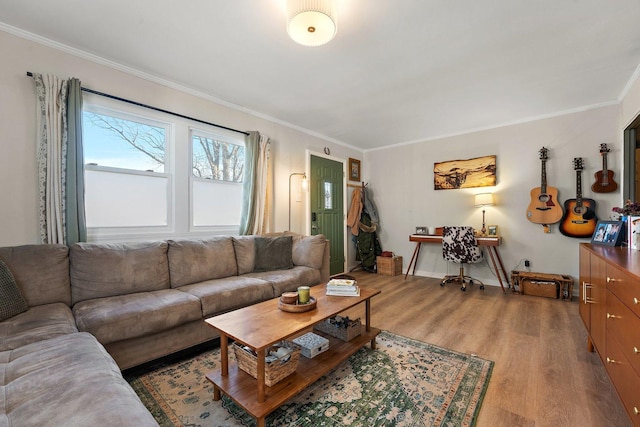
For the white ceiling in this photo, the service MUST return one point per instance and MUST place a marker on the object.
(397, 71)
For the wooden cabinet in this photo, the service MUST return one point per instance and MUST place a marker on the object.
(610, 309)
(593, 297)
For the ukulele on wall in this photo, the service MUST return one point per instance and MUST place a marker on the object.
(544, 208)
(579, 218)
(604, 178)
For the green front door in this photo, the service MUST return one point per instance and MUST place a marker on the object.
(327, 207)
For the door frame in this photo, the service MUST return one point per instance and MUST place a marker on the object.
(307, 205)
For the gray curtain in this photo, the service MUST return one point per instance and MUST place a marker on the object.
(76, 226)
(257, 185)
(251, 152)
(60, 160)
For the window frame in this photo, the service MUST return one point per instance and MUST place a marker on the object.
(132, 113)
(220, 135)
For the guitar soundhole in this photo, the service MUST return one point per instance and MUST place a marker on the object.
(544, 198)
(580, 210)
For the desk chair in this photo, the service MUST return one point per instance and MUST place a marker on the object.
(459, 245)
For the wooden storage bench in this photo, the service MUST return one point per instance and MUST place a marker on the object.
(543, 284)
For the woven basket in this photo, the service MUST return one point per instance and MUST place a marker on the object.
(274, 371)
(345, 334)
(389, 266)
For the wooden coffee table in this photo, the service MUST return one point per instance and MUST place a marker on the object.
(260, 326)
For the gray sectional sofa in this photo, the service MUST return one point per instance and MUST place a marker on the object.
(94, 309)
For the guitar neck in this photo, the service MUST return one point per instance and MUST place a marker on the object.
(543, 175)
(578, 187)
(605, 174)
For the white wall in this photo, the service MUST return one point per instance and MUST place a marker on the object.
(18, 173)
(406, 197)
(400, 177)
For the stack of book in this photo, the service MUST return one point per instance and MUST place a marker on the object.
(343, 287)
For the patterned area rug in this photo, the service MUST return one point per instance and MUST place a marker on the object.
(403, 382)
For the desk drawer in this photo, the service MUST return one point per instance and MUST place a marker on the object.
(624, 326)
(625, 287)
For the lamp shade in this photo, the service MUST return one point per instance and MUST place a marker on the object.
(484, 199)
(311, 22)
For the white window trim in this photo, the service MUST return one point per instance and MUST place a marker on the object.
(221, 135)
(151, 232)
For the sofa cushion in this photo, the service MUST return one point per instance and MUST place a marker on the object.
(288, 280)
(129, 316)
(245, 249)
(104, 270)
(273, 253)
(11, 300)
(41, 272)
(309, 250)
(39, 323)
(220, 295)
(192, 261)
(67, 381)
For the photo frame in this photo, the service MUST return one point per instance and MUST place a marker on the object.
(492, 230)
(608, 233)
(421, 230)
(354, 169)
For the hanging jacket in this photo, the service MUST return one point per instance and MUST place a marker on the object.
(353, 218)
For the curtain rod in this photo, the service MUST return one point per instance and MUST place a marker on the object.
(150, 107)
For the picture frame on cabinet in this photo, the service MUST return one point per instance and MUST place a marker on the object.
(608, 233)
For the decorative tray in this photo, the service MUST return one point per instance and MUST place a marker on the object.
(298, 308)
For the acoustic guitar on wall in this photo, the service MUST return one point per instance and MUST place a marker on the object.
(579, 219)
(544, 207)
(604, 178)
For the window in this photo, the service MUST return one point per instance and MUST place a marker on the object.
(126, 165)
(153, 175)
(125, 142)
(217, 168)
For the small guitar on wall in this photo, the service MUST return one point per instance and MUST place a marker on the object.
(544, 208)
(579, 219)
(604, 178)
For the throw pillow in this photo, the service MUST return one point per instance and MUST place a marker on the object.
(11, 300)
(309, 250)
(273, 253)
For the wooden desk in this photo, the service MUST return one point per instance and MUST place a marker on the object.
(491, 242)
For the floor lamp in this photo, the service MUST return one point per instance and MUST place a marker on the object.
(305, 185)
(482, 200)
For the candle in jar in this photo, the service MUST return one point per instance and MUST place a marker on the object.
(303, 294)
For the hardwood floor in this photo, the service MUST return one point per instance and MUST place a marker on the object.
(543, 374)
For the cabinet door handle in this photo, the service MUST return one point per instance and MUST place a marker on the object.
(611, 279)
(611, 360)
(635, 350)
(585, 286)
(636, 411)
(635, 301)
(612, 316)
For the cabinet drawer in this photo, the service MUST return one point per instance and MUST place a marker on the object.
(624, 326)
(625, 379)
(624, 287)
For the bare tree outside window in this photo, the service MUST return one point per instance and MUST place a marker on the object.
(217, 160)
(106, 148)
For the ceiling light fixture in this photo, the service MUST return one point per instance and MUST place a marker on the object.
(311, 22)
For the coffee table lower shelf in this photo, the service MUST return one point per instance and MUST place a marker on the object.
(241, 387)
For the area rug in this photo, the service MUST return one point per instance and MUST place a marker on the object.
(403, 382)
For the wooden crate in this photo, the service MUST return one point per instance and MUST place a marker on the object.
(389, 266)
(543, 284)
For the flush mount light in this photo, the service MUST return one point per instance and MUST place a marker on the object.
(311, 22)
